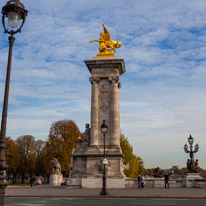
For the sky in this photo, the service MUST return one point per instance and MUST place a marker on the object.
(163, 93)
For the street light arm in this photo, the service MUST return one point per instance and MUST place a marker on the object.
(186, 148)
(196, 148)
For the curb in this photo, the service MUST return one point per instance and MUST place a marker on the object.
(112, 196)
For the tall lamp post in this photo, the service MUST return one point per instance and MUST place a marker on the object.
(192, 165)
(104, 129)
(14, 11)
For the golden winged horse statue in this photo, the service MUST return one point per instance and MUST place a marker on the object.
(107, 47)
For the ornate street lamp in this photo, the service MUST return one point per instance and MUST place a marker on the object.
(192, 165)
(104, 129)
(15, 12)
(190, 140)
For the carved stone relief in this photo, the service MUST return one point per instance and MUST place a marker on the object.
(99, 166)
(106, 71)
(104, 97)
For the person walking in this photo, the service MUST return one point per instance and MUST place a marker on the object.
(31, 182)
(166, 176)
(139, 181)
(34, 181)
(142, 182)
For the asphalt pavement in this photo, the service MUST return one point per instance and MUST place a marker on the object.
(79, 201)
(46, 191)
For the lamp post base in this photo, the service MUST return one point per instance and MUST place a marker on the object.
(104, 191)
(104, 185)
(2, 192)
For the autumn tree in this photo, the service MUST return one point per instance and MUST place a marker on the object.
(12, 158)
(39, 148)
(62, 140)
(149, 172)
(158, 172)
(136, 165)
(141, 166)
(26, 155)
(184, 171)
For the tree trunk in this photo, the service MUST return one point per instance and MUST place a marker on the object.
(14, 178)
(22, 178)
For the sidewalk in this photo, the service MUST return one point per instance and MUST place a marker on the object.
(46, 191)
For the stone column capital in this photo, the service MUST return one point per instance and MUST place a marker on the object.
(115, 80)
(94, 80)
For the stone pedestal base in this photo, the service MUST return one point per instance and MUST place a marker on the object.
(190, 179)
(112, 182)
(96, 182)
(55, 179)
(87, 170)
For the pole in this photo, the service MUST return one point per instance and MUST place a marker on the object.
(104, 146)
(3, 166)
(104, 178)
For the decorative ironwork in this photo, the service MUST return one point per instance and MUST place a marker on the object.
(192, 165)
(14, 6)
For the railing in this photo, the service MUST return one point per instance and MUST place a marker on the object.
(155, 182)
(130, 183)
(149, 182)
(177, 183)
(200, 183)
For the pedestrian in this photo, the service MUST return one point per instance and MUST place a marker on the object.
(166, 176)
(31, 182)
(34, 181)
(139, 181)
(142, 182)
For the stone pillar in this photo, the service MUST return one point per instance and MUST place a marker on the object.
(94, 112)
(115, 114)
(55, 180)
(190, 179)
(87, 163)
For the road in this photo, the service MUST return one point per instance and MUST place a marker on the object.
(65, 201)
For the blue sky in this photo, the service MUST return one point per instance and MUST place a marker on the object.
(163, 94)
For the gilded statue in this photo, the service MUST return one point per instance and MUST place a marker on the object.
(107, 47)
